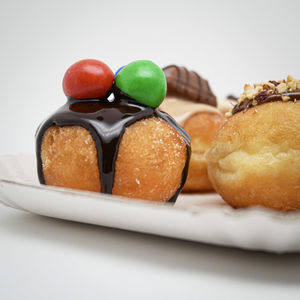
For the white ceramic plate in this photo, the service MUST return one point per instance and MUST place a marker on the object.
(201, 218)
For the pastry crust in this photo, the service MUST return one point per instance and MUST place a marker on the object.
(201, 122)
(150, 162)
(255, 157)
(202, 128)
(69, 158)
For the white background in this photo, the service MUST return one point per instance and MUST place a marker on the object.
(227, 42)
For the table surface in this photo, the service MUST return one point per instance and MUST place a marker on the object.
(46, 258)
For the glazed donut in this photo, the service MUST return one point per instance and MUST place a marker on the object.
(192, 104)
(255, 157)
(124, 147)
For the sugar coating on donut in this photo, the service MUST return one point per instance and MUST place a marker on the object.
(255, 157)
(150, 162)
(151, 159)
(69, 158)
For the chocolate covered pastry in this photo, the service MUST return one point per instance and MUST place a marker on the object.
(192, 104)
(255, 157)
(124, 146)
(188, 85)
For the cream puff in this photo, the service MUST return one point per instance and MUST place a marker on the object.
(254, 159)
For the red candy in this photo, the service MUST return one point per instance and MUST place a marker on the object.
(88, 79)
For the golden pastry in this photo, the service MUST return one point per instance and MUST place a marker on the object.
(255, 157)
(191, 102)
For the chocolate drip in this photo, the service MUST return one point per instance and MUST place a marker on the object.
(188, 85)
(265, 98)
(106, 121)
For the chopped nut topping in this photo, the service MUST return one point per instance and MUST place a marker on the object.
(228, 114)
(285, 98)
(274, 82)
(260, 91)
(281, 88)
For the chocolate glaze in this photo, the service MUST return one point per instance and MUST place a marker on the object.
(106, 121)
(188, 85)
(262, 98)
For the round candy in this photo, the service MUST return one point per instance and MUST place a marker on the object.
(118, 71)
(144, 81)
(88, 79)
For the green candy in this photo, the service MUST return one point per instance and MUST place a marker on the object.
(143, 81)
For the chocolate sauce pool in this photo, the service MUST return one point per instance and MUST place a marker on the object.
(106, 121)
